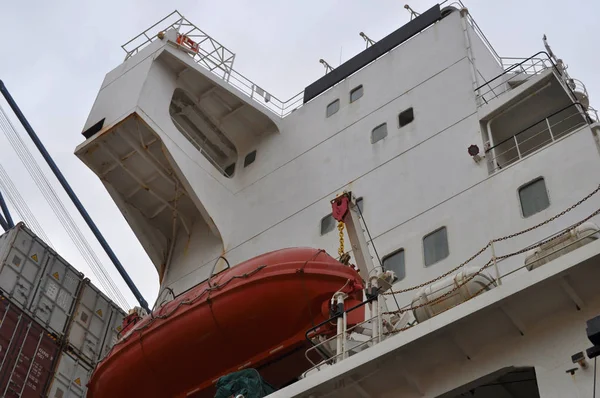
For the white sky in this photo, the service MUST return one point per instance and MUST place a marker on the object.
(54, 55)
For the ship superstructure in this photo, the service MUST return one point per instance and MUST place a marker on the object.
(474, 176)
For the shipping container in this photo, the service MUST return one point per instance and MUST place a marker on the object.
(55, 299)
(71, 377)
(91, 323)
(113, 334)
(27, 354)
(23, 257)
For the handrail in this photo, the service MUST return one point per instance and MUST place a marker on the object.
(534, 124)
(516, 66)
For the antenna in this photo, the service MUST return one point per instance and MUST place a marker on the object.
(413, 13)
(367, 40)
(328, 67)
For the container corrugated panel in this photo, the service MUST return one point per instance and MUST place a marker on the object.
(27, 354)
(71, 377)
(56, 296)
(114, 331)
(91, 321)
(23, 257)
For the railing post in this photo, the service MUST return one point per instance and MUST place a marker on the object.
(517, 146)
(340, 349)
(498, 279)
(374, 306)
(550, 129)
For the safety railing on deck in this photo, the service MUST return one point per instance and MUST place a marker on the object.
(537, 135)
(516, 72)
(495, 262)
(215, 57)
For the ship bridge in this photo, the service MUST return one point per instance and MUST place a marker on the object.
(170, 128)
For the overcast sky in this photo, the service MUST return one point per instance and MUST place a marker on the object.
(54, 55)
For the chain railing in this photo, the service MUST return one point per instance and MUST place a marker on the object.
(529, 140)
(213, 56)
(451, 289)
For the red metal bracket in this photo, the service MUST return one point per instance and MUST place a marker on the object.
(340, 206)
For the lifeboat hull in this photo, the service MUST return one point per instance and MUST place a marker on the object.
(253, 315)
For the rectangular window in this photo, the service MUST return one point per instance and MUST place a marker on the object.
(379, 133)
(405, 117)
(356, 93)
(250, 158)
(395, 262)
(333, 108)
(435, 246)
(534, 197)
(327, 224)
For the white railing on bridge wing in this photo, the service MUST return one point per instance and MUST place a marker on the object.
(216, 58)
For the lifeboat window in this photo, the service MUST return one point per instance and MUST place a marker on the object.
(379, 133)
(250, 158)
(356, 93)
(327, 224)
(435, 246)
(333, 108)
(534, 197)
(395, 262)
(405, 117)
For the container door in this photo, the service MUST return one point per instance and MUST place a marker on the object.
(55, 299)
(10, 326)
(27, 355)
(70, 379)
(90, 322)
(114, 331)
(31, 363)
(22, 265)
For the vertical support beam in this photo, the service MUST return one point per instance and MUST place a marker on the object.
(358, 241)
(6, 222)
(73, 197)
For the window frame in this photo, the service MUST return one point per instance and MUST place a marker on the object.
(327, 115)
(400, 125)
(527, 184)
(246, 164)
(375, 128)
(423, 246)
(391, 254)
(355, 89)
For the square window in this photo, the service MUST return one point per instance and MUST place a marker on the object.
(333, 108)
(327, 224)
(395, 262)
(435, 246)
(379, 133)
(250, 158)
(229, 170)
(356, 93)
(359, 204)
(534, 197)
(405, 117)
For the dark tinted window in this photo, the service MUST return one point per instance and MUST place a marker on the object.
(250, 158)
(406, 117)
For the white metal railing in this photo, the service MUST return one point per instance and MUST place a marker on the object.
(444, 291)
(516, 71)
(536, 136)
(216, 58)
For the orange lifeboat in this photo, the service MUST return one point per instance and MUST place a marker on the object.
(254, 315)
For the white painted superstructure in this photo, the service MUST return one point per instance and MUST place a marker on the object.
(169, 123)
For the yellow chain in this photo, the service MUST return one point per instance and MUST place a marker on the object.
(340, 228)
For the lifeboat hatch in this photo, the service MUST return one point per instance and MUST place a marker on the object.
(134, 166)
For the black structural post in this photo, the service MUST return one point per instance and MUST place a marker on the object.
(73, 196)
(8, 222)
